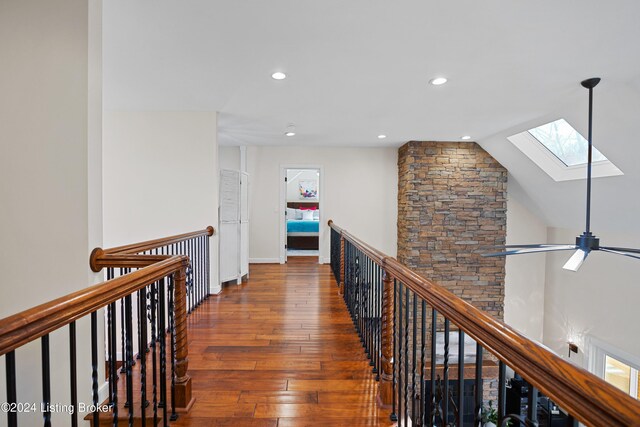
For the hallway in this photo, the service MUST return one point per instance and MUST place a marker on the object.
(279, 350)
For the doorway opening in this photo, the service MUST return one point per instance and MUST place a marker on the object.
(301, 207)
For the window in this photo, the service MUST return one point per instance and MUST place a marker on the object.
(565, 143)
(615, 366)
(559, 150)
(621, 375)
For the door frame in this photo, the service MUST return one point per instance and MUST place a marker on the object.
(283, 206)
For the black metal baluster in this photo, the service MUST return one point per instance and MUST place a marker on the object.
(479, 389)
(532, 405)
(423, 339)
(201, 264)
(129, 356)
(196, 268)
(196, 271)
(73, 373)
(434, 334)
(189, 280)
(369, 290)
(154, 338)
(378, 324)
(12, 396)
(394, 415)
(139, 325)
(360, 299)
(172, 328)
(502, 391)
(46, 381)
(445, 397)
(400, 358)
(94, 365)
(460, 378)
(414, 352)
(361, 302)
(163, 351)
(123, 369)
(207, 281)
(108, 338)
(406, 356)
(113, 362)
(142, 351)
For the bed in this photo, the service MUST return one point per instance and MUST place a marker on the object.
(302, 233)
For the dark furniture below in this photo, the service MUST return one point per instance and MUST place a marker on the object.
(302, 242)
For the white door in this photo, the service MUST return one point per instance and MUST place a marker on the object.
(229, 225)
(244, 224)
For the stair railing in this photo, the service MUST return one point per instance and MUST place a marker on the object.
(160, 281)
(440, 361)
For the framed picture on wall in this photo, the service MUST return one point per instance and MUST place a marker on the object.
(308, 189)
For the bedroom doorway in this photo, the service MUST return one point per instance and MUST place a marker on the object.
(301, 197)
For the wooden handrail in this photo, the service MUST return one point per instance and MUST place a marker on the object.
(588, 398)
(128, 256)
(31, 324)
(158, 243)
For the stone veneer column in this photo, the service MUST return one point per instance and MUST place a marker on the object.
(452, 203)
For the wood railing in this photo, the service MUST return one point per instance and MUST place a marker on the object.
(413, 312)
(144, 268)
(137, 255)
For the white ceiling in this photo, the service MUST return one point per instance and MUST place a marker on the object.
(359, 68)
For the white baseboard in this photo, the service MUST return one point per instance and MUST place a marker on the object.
(264, 260)
(325, 260)
(103, 392)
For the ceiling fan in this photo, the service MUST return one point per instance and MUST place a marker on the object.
(586, 242)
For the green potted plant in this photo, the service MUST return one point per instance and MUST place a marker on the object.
(489, 415)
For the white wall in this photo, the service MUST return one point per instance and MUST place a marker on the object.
(229, 157)
(50, 180)
(360, 194)
(525, 274)
(160, 176)
(600, 300)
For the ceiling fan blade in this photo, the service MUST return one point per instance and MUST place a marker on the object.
(576, 260)
(610, 250)
(538, 245)
(531, 250)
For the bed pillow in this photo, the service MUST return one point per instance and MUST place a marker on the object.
(307, 215)
(291, 213)
(298, 214)
(308, 208)
(316, 215)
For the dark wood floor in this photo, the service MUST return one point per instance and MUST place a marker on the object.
(279, 350)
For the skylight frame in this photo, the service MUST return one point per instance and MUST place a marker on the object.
(553, 166)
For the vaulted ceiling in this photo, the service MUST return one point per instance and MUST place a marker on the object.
(360, 68)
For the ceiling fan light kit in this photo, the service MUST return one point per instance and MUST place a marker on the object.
(586, 242)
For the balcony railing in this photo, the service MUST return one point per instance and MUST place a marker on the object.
(159, 282)
(440, 360)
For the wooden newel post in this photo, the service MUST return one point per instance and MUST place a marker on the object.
(184, 399)
(341, 287)
(385, 393)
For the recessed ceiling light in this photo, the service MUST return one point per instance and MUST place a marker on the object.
(465, 137)
(438, 81)
(290, 134)
(279, 75)
(382, 136)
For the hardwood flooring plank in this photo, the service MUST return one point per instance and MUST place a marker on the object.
(279, 350)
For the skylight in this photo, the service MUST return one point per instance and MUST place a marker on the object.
(565, 143)
(559, 150)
